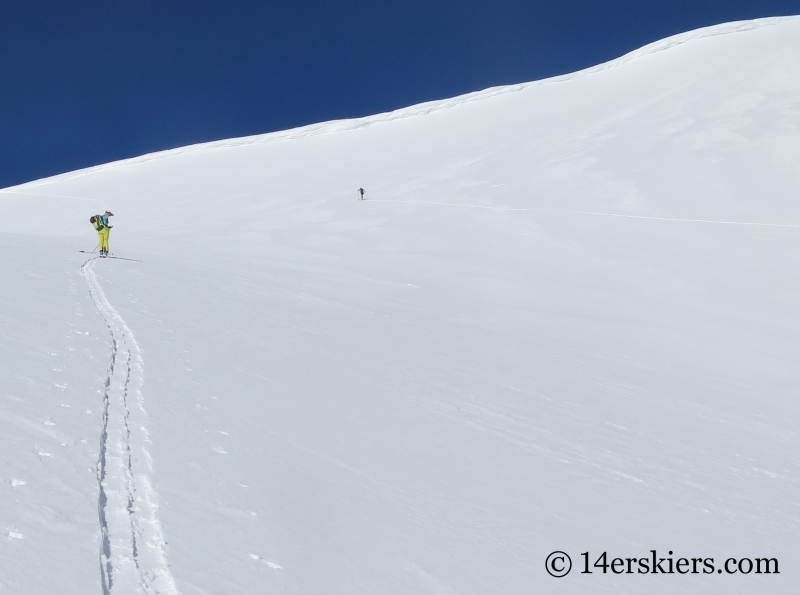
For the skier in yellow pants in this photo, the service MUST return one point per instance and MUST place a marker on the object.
(100, 223)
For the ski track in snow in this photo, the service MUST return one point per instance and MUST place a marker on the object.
(591, 213)
(132, 555)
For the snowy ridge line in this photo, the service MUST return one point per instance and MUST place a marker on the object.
(422, 108)
(593, 213)
(132, 554)
(754, 223)
(452, 204)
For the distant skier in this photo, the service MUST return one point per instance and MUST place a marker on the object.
(362, 192)
(100, 223)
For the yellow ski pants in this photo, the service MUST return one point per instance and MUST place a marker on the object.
(103, 243)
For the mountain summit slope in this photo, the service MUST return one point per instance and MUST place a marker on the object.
(566, 318)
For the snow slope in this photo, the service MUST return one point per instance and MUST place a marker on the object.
(566, 318)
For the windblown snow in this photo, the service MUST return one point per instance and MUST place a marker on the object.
(566, 318)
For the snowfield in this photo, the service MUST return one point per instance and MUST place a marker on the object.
(566, 318)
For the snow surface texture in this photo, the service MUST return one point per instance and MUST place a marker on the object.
(566, 318)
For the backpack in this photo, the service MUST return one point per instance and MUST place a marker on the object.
(97, 222)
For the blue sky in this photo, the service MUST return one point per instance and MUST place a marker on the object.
(88, 82)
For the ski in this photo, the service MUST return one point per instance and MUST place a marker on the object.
(117, 257)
